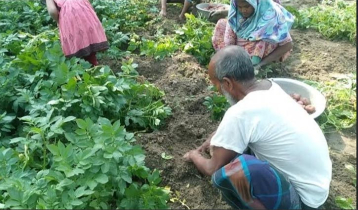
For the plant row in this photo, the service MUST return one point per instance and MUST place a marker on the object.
(66, 129)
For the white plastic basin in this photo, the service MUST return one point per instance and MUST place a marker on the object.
(294, 86)
(204, 12)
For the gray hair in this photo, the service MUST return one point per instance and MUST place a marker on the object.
(233, 62)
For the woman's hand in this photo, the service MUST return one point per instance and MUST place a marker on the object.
(276, 54)
(217, 15)
(257, 68)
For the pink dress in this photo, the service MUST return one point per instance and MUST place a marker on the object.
(81, 32)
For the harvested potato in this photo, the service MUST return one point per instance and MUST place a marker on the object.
(305, 101)
(215, 7)
(296, 96)
(310, 109)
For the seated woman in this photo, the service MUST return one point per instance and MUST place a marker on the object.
(261, 27)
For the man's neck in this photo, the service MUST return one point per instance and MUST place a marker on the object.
(258, 85)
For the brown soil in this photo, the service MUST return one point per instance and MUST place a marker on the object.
(185, 83)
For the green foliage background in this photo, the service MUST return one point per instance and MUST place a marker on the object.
(333, 19)
(64, 126)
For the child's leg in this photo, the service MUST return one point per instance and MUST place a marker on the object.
(187, 4)
(92, 59)
(175, 1)
(163, 10)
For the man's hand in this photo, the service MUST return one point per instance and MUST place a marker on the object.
(206, 145)
(188, 155)
(206, 166)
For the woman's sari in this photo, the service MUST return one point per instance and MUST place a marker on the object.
(260, 34)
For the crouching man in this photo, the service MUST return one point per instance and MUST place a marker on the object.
(289, 168)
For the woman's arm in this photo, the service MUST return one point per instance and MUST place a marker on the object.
(52, 9)
(230, 37)
(276, 54)
(217, 15)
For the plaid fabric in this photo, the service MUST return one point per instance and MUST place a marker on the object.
(249, 183)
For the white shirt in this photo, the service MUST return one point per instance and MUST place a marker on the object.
(278, 130)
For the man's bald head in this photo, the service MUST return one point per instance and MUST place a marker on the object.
(233, 62)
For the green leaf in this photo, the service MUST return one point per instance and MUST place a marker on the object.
(53, 149)
(91, 184)
(79, 192)
(105, 167)
(15, 194)
(87, 153)
(344, 203)
(125, 174)
(16, 140)
(74, 172)
(97, 89)
(13, 204)
(69, 118)
(64, 183)
(53, 102)
(132, 191)
(166, 157)
(154, 178)
(81, 124)
(61, 74)
(102, 178)
(117, 155)
(350, 168)
(76, 202)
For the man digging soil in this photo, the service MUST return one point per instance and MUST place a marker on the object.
(289, 167)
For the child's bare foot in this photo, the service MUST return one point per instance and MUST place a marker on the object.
(181, 17)
(163, 13)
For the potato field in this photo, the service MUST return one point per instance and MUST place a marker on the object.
(113, 136)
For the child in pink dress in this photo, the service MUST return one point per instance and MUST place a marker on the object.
(81, 32)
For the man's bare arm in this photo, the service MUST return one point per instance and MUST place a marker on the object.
(220, 157)
(205, 146)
